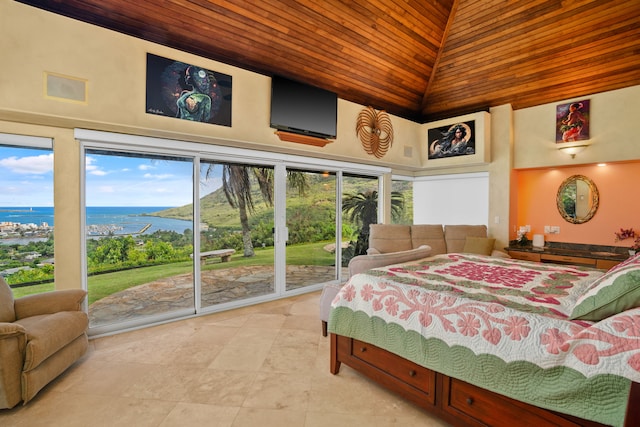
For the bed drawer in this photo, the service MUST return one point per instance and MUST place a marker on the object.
(481, 407)
(406, 371)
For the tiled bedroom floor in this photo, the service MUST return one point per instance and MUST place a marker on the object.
(266, 365)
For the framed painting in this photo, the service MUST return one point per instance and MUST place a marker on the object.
(187, 92)
(458, 141)
(572, 121)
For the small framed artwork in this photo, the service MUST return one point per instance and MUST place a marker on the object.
(187, 92)
(458, 141)
(572, 121)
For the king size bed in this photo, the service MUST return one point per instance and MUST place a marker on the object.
(495, 341)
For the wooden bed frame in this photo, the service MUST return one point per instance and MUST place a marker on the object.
(456, 402)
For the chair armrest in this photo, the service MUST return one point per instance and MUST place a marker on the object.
(49, 303)
(10, 330)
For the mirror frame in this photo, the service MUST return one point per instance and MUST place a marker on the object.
(595, 199)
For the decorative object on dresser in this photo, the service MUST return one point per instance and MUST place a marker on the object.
(628, 233)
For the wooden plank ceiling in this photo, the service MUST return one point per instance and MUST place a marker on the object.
(422, 60)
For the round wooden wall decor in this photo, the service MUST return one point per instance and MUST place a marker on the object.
(375, 131)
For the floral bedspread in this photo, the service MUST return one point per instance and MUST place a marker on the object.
(456, 312)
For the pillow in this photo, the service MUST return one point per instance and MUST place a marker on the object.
(616, 291)
(478, 245)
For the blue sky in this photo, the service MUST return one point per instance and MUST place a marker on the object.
(26, 179)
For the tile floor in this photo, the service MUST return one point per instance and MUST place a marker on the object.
(266, 365)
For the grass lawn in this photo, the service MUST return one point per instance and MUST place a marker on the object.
(103, 285)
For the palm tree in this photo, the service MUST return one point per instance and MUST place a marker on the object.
(237, 186)
(362, 209)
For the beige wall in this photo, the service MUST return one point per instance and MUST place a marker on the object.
(33, 42)
(114, 65)
(614, 127)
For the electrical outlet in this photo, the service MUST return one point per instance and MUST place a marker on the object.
(547, 229)
(528, 228)
(555, 229)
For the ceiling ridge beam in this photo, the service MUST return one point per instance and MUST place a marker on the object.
(434, 70)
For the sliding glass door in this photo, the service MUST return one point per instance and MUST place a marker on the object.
(236, 232)
(175, 229)
(139, 237)
(311, 223)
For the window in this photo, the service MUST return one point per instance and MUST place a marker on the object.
(401, 200)
(251, 226)
(26, 214)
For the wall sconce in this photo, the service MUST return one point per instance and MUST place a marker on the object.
(572, 150)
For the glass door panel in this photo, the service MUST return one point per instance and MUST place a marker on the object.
(359, 210)
(401, 202)
(139, 237)
(236, 232)
(311, 223)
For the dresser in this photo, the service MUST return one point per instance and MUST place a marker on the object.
(595, 256)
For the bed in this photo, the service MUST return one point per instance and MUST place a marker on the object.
(494, 341)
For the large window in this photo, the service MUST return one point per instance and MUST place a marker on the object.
(26, 214)
(172, 235)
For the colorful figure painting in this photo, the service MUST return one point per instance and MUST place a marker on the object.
(572, 121)
(452, 140)
(187, 92)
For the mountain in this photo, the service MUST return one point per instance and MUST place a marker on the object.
(316, 204)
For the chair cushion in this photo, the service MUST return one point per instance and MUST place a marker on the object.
(7, 312)
(48, 333)
(390, 237)
(430, 235)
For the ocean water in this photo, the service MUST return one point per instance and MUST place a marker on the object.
(123, 219)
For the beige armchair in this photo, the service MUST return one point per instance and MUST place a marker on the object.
(40, 337)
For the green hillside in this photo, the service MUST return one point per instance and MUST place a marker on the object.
(216, 211)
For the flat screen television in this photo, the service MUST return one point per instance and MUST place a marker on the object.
(303, 109)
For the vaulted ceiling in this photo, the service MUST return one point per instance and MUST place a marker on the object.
(422, 60)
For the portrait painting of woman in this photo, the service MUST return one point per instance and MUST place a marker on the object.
(572, 121)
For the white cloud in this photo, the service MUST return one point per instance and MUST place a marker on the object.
(37, 165)
(145, 167)
(156, 176)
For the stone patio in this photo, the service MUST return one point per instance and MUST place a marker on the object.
(218, 286)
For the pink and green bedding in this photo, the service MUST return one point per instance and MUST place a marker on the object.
(561, 337)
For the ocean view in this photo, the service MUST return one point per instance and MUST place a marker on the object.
(125, 219)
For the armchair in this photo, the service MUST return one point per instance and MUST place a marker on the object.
(40, 337)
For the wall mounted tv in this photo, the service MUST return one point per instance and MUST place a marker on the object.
(303, 109)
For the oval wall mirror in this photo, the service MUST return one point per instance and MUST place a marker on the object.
(577, 199)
